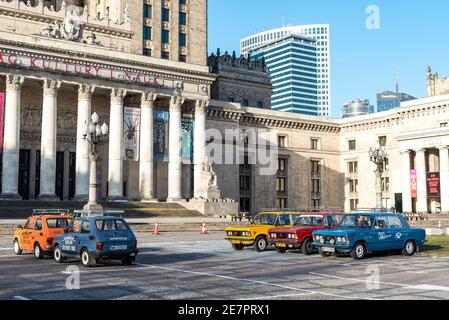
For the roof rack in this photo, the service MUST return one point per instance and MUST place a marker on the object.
(98, 213)
(42, 212)
(373, 210)
(282, 210)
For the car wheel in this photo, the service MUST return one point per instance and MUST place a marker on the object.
(281, 250)
(324, 254)
(58, 255)
(38, 253)
(86, 259)
(238, 247)
(261, 244)
(359, 251)
(409, 248)
(127, 261)
(307, 247)
(16, 246)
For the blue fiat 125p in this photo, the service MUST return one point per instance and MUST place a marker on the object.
(97, 236)
(360, 233)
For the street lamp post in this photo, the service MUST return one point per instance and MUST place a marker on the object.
(94, 134)
(379, 157)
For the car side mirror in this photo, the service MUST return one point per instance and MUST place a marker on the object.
(20, 227)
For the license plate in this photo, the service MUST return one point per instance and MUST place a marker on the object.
(281, 245)
(328, 249)
(235, 242)
(119, 247)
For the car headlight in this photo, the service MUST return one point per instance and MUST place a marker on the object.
(317, 238)
(339, 240)
(332, 241)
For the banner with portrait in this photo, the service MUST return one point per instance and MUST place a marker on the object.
(131, 133)
(414, 183)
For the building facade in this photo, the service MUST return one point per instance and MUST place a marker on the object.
(356, 107)
(387, 100)
(318, 32)
(291, 62)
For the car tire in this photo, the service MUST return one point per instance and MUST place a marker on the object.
(324, 254)
(409, 248)
(261, 244)
(87, 260)
(38, 253)
(359, 251)
(307, 247)
(127, 261)
(237, 247)
(281, 250)
(57, 255)
(16, 246)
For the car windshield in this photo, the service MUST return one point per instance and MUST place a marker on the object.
(309, 221)
(357, 221)
(111, 225)
(58, 223)
(268, 219)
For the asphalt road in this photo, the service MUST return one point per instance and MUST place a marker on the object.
(193, 266)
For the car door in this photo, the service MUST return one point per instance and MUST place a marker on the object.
(84, 235)
(382, 235)
(71, 239)
(27, 234)
(399, 232)
(37, 233)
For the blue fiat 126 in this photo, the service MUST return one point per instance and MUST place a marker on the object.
(360, 233)
(97, 236)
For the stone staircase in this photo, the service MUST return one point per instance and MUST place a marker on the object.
(23, 209)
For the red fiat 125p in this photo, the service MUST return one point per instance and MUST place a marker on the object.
(300, 235)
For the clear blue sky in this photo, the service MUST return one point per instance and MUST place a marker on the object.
(412, 35)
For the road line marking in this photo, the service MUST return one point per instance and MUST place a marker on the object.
(429, 287)
(280, 296)
(253, 281)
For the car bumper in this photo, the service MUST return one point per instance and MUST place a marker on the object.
(114, 255)
(337, 248)
(286, 243)
(241, 240)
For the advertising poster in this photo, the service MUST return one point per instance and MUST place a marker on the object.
(414, 183)
(187, 139)
(131, 131)
(433, 185)
(160, 137)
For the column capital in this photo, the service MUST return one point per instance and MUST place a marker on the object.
(420, 150)
(117, 95)
(443, 148)
(14, 82)
(201, 106)
(85, 91)
(148, 99)
(404, 152)
(51, 87)
(176, 103)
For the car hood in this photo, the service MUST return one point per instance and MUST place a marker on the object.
(339, 232)
(247, 229)
(293, 229)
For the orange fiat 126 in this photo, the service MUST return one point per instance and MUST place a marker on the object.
(38, 233)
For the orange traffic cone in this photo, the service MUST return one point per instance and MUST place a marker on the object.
(204, 229)
(156, 229)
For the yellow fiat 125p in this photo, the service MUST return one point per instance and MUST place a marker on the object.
(256, 234)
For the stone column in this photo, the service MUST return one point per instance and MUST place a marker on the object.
(11, 140)
(406, 187)
(199, 147)
(48, 140)
(82, 147)
(116, 145)
(421, 203)
(174, 152)
(444, 179)
(146, 171)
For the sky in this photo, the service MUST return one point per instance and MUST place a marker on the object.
(411, 35)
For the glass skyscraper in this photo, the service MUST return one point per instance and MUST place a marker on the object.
(389, 100)
(318, 32)
(292, 63)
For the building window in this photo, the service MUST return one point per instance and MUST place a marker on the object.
(282, 165)
(182, 39)
(182, 2)
(353, 185)
(165, 14)
(165, 55)
(165, 36)
(147, 33)
(354, 204)
(182, 18)
(260, 104)
(182, 58)
(147, 11)
(315, 144)
(386, 184)
(352, 145)
(147, 52)
(383, 141)
(230, 99)
(315, 167)
(245, 183)
(386, 165)
(282, 141)
(245, 103)
(353, 167)
(316, 186)
(281, 184)
(316, 204)
(282, 203)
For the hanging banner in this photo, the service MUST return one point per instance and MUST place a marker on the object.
(131, 132)
(414, 184)
(2, 119)
(187, 139)
(160, 136)
(433, 185)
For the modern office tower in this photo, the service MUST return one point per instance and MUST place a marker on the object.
(387, 100)
(291, 62)
(357, 107)
(321, 34)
